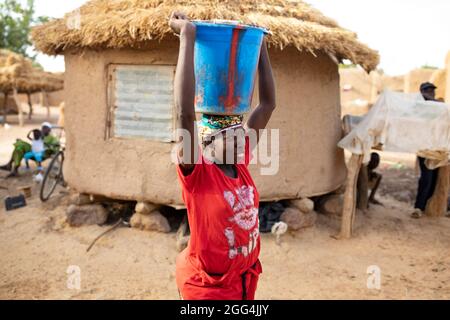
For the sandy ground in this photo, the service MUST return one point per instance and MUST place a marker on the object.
(413, 255)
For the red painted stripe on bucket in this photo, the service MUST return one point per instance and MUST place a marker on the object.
(230, 100)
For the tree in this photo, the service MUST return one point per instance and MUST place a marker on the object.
(16, 21)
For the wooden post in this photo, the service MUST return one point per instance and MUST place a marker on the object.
(19, 106)
(5, 105)
(349, 207)
(362, 199)
(437, 204)
(30, 105)
(45, 102)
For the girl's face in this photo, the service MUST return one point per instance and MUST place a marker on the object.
(36, 134)
(227, 146)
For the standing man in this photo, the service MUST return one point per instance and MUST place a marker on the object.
(428, 178)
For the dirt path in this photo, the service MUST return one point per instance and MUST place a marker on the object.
(37, 248)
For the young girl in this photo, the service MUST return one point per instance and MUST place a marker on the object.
(221, 260)
(37, 148)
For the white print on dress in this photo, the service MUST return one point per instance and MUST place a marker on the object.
(245, 216)
(245, 213)
(244, 250)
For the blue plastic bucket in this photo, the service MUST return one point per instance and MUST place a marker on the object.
(225, 61)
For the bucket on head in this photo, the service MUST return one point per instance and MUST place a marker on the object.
(226, 58)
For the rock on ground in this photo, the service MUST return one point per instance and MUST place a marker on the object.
(332, 205)
(150, 222)
(304, 205)
(87, 214)
(80, 199)
(145, 207)
(295, 219)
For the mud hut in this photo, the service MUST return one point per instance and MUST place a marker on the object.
(441, 79)
(438, 78)
(19, 76)
(447, 79)
(360, 90)
(415, 77)
(356, 87)
(393, 83)
(112, 48)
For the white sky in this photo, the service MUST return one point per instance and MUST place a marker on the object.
(407, 33)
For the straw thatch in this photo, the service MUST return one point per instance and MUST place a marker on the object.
(18, 72)
(132, 23)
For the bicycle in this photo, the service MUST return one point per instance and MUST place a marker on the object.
(53, 174)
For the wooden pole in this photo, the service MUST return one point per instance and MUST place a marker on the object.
(362, 199)
(437, 204)
(45, 102)
(349, 207)
(30, 105)
(5, 104)
(19, 106)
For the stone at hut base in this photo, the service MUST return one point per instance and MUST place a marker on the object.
(86, 215)
(145, 208)
(332, 205)
(305, 205)
(296, 220)
(80, 199)
(154, 221)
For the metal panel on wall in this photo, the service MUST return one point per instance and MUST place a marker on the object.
(143, 101)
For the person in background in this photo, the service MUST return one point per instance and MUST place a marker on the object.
(374, 177)
(428, 91)
(21, 147)
(37, 151)
(428, 177)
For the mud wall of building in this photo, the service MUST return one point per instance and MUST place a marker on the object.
(307, 116)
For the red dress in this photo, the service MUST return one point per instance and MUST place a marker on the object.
(221, 259)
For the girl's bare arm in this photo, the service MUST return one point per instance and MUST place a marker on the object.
(262, 113)
(184, 90)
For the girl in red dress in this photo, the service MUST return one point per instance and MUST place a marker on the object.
(221, 260)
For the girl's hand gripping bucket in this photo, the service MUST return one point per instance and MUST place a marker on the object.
(226, 58)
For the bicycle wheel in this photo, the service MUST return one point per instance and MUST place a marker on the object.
(53, 176)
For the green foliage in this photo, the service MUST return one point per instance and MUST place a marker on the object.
(37, 65)
(347, 66)
(426, 66)
(16, 21)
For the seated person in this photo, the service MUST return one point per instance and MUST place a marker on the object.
(21, 147)
(37, 149)
(374, 177)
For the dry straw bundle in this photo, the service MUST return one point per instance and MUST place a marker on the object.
(18, 72)
(132, 23)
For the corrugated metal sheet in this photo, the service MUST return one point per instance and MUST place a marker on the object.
(143, 102)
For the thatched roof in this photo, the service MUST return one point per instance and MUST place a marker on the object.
(18, 72)
(132, 23)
